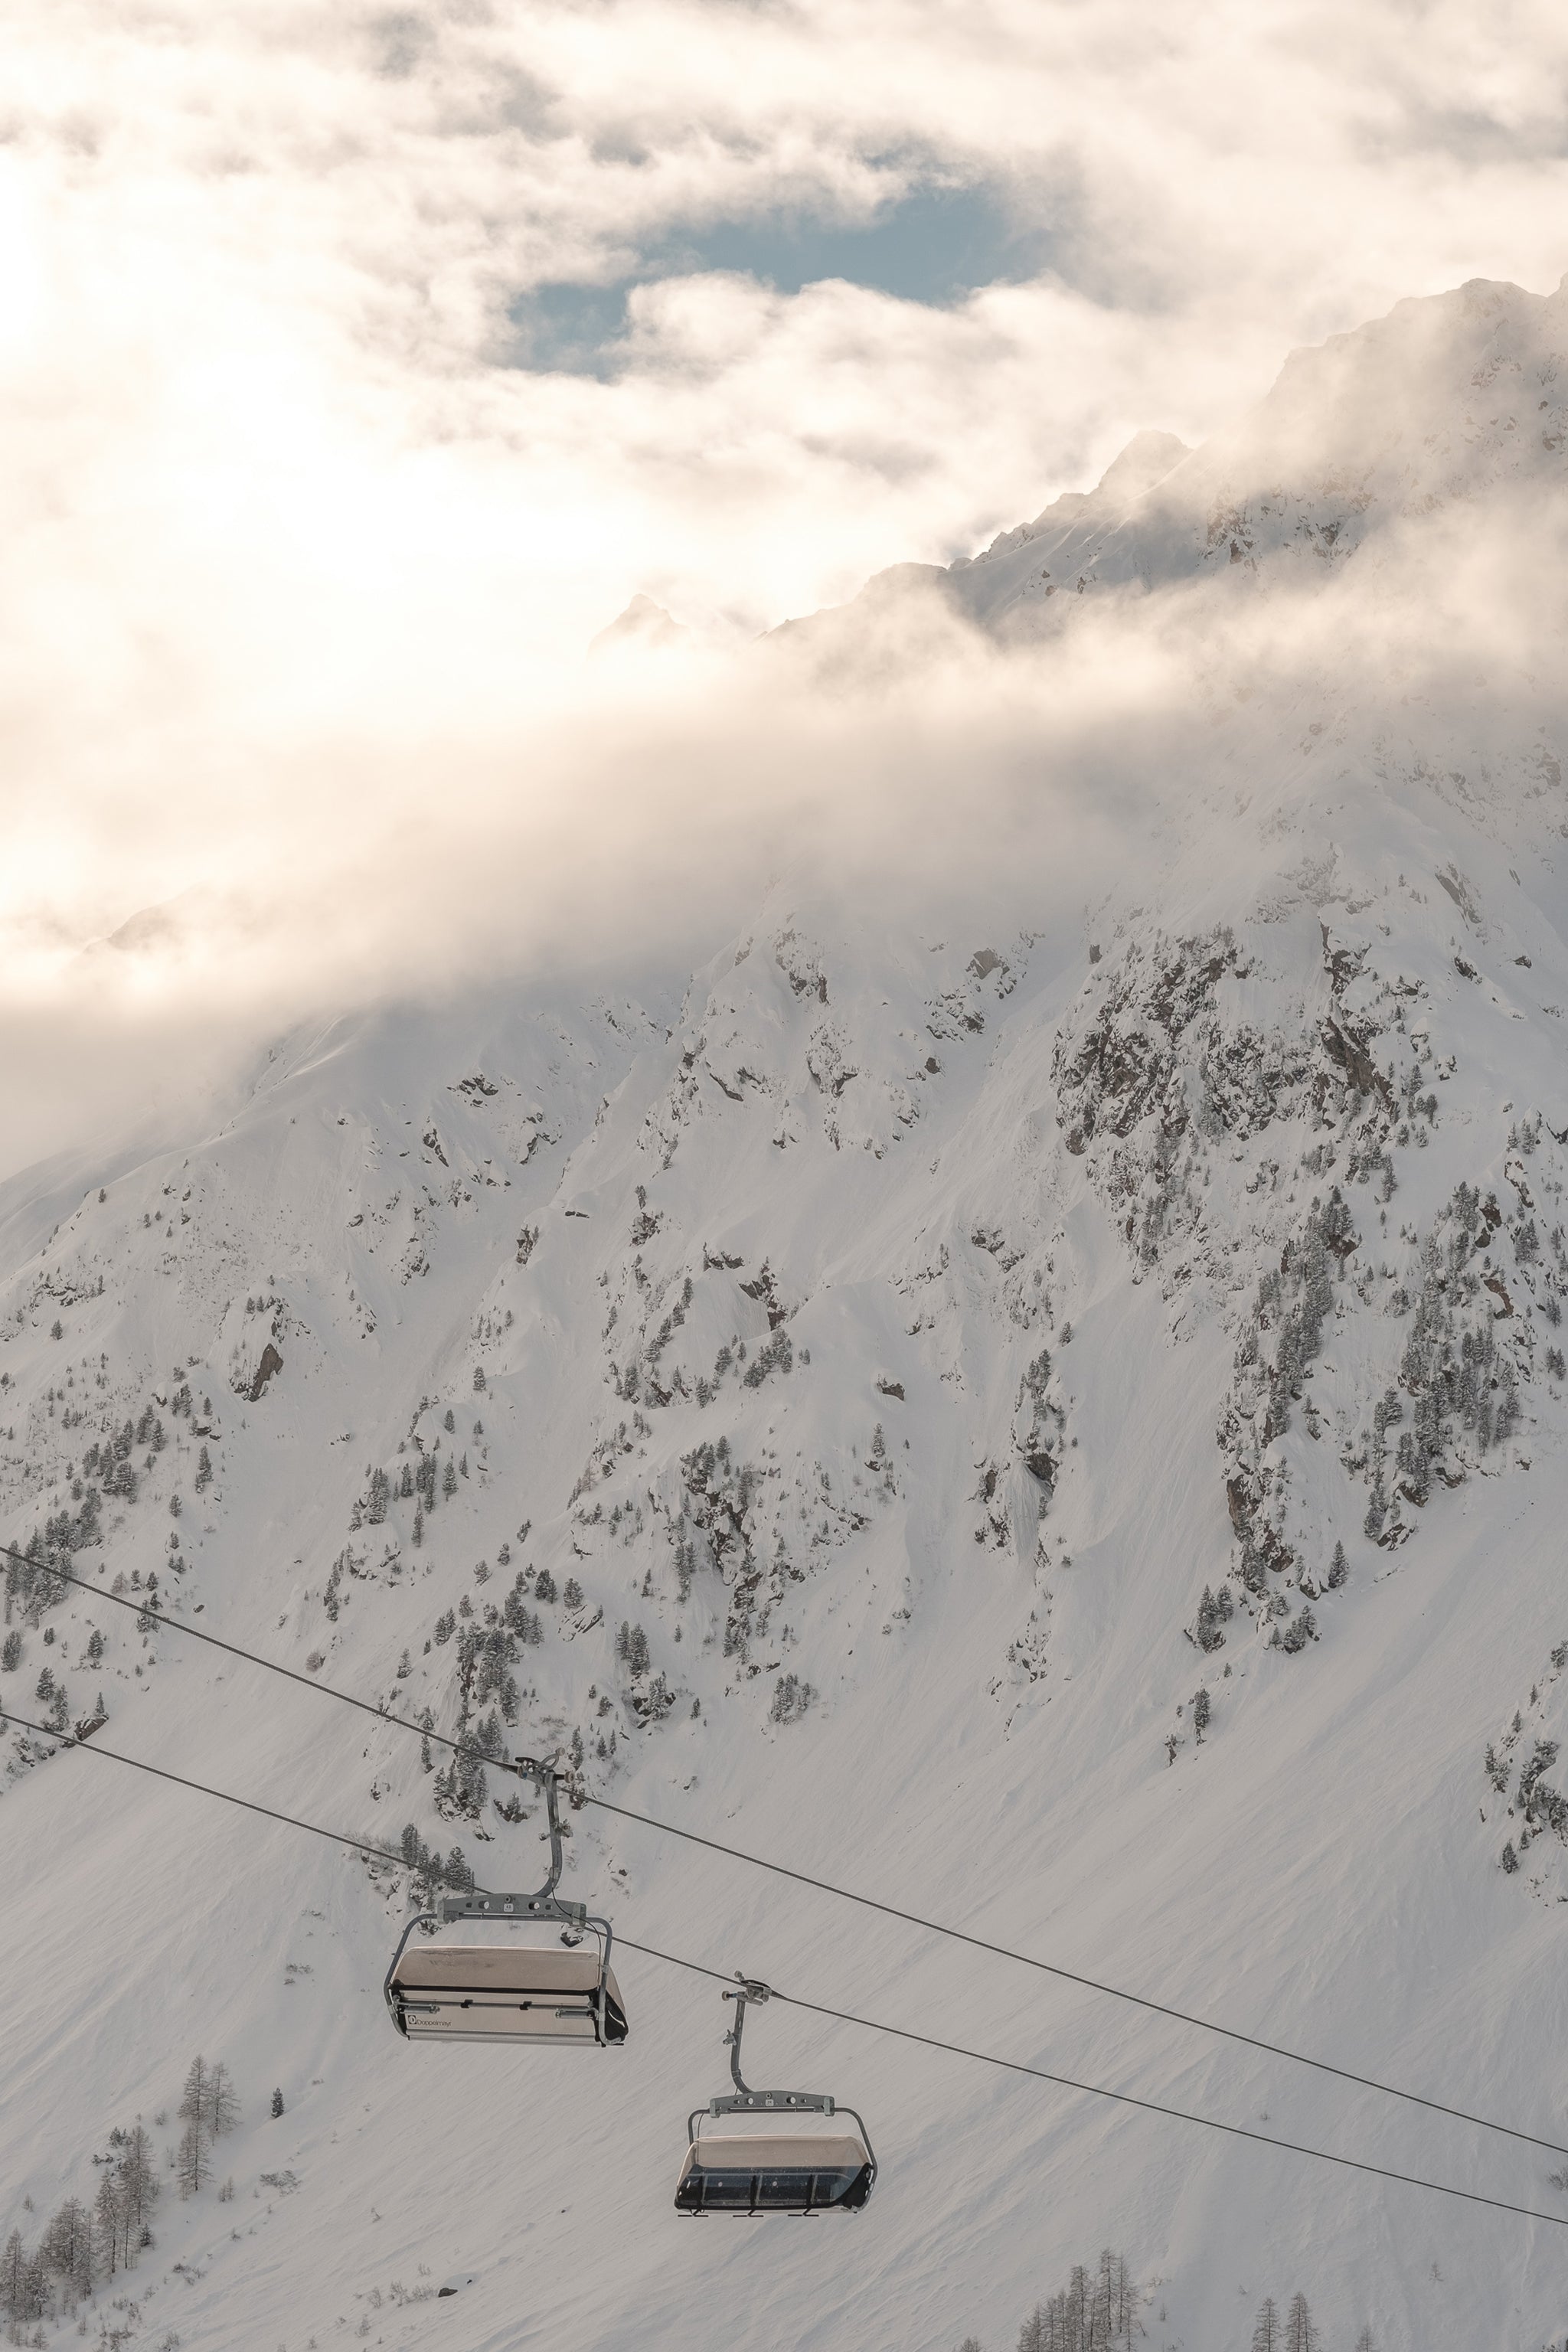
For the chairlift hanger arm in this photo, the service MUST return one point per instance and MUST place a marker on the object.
(744, 2100)
(546, 1904)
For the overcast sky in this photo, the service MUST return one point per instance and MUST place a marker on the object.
(358, 363)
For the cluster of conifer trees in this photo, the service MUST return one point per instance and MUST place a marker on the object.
(1096, 2311)
(1297, 2331)
(1101, 2310)
(86, 2245)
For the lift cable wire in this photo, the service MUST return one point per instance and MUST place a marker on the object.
(820, 2008)
(1098, 2091)
(142, 1607)
(1091, 1984)
(802, 1878)
(159, 1772)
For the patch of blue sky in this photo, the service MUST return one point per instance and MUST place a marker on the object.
(934, 246)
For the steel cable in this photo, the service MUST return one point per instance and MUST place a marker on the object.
(820, 1885)
(822, 2009)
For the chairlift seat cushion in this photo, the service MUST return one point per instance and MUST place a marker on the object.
(776, 2174)
(504, 1992)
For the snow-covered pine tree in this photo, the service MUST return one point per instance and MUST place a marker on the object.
(222, 2103)
(110, 2226)
(66, 2245)
(193, 2097)
(193, 2166)
(14, 2279)
(1301, 2334)
(1075, 2311)
(138, 2184)
(37, 2289)
(1300, 1632)
(1266, 2334)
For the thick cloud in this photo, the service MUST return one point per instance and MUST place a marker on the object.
(304, 535)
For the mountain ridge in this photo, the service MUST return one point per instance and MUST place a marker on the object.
(1230, 501)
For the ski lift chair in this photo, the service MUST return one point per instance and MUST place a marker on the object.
(563, 1995)
(773, 2171)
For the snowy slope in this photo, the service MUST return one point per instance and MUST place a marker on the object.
(901, 1331)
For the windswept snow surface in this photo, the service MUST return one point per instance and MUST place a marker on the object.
(931, 1317)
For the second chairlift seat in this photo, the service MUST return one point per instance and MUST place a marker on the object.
(738, 2174)
(775, 2171)
(512, 1992)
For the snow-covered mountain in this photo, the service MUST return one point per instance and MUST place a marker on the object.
(1058, 1426)
(1455, 403)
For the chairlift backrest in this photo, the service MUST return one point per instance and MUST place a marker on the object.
(505, 1992)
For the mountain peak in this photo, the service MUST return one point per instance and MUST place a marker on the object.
(1148, 457)
(643, 624)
